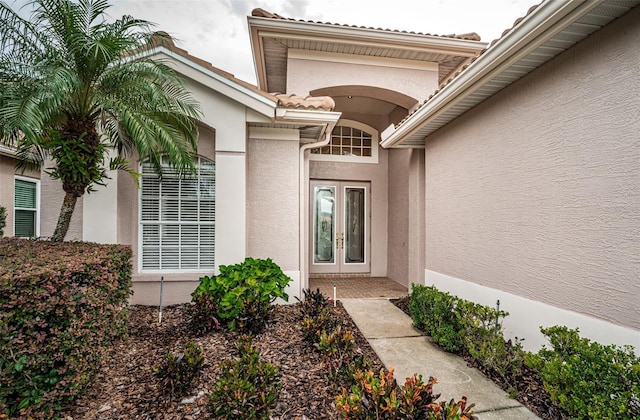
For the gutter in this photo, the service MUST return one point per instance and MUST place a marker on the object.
(544, 22)
(302, 199)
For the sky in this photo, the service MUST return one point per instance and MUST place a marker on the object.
(216, 30)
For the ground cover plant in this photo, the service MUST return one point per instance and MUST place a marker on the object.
(61, 308)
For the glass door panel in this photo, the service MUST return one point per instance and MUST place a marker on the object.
(354, 226)
(324, 215)
(339, 227)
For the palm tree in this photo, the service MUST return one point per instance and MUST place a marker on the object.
(75, 87)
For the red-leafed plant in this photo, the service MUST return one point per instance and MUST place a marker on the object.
(61, 305)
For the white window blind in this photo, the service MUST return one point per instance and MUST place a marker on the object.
(25, 206)
(177, 218)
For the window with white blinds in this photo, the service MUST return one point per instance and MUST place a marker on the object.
(25, 207)
(177, 218)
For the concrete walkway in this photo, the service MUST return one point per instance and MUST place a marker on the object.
(391, 334)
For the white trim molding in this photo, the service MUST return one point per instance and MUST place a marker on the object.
(526, 316)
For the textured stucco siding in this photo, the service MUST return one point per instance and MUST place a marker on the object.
(537, 191)
(406, 216)
(7, 169)
(306, 75)
(51, 196)
(398, 259)
(273, 209)
(377, 175)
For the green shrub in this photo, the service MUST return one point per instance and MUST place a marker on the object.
(242, 294)
(3, 219)
(438, 314)
(178, 372)
(246, 387)
(483, 340)
(61, 306)
(588, 379)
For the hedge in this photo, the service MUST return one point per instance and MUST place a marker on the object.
(61, 306)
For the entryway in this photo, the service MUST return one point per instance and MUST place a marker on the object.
(363, 287)
(340, 231)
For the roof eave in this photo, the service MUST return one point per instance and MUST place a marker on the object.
(535, 29)
(326, 119)
(261, 27)
(8, 151)
(262, 103)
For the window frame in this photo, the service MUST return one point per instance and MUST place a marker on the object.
(35, 209)
(375, 145)
(141, 223)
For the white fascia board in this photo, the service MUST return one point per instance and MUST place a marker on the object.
(279, 28)
(533, 31)
(307, 116)
(361, 60)
(233, 90)
(8, 151)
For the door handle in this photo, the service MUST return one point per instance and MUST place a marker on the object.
(341, 238)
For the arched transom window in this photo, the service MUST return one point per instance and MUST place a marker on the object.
(177, 217)
(347, 141)
(351, 141)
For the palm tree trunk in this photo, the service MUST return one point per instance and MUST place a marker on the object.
(64, 219)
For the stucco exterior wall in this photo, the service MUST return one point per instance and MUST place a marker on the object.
(51, 196)
(536, 191)
(398, 258)
(406, 216)
(309, 71)
(273, 202)
(377, 175)
(7, 169)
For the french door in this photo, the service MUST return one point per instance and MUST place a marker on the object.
(339, 227)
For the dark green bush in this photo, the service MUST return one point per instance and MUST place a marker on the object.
(588, 379)
(246, 388)
(178, 372)
(61, 305)
(438, 314)
(242, 294)
(203, 314)
(313, 304)
(483, 340)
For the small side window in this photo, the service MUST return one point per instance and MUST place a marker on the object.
(25, 207)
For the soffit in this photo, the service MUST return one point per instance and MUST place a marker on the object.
(576, 26)
(308, 133)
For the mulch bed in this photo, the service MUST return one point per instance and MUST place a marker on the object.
(531, 392)
(125, 387)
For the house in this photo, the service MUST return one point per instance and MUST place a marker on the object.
(507, 171)
(19, 195)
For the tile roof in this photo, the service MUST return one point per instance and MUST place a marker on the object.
(258, 12)
(462, 69)
(321, 103)
(324, 103)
